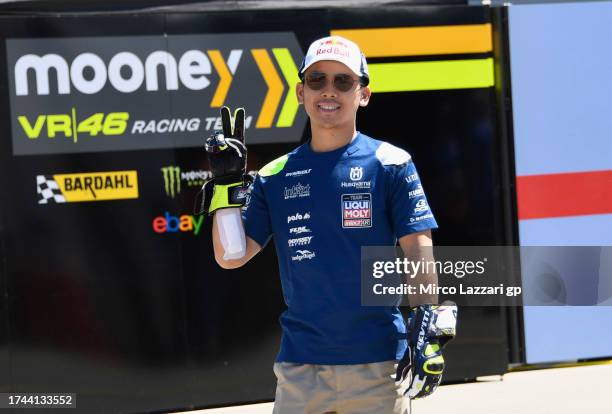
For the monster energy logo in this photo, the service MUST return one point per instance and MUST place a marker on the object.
(174, 176)
(172, 180)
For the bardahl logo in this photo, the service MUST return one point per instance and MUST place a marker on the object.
(96, 186)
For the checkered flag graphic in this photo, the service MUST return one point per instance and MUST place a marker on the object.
(47, 189)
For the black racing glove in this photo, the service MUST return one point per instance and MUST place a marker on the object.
(227, 158)
(430, 328)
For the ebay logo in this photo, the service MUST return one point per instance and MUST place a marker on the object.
(172, 224)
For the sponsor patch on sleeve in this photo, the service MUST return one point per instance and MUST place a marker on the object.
(357, 210)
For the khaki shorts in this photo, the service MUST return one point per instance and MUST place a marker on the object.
(339, 389)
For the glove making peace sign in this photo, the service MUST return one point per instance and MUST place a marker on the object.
(227, 158)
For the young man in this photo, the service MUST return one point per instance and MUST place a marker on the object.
(322, 202)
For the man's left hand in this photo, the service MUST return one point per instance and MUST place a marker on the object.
(430, 328)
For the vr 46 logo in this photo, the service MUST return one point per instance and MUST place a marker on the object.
(114, 123)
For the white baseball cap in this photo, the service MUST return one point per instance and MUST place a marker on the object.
(339, 49)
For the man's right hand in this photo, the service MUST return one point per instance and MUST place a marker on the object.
(227, 154)
(227, 158)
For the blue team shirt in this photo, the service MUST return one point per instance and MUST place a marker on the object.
(320, 208)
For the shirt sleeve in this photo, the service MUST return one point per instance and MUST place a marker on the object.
(256, 215)
(408, 206)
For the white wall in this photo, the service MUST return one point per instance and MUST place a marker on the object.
(561, 66)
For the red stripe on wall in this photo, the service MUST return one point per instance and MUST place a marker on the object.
(562, 195)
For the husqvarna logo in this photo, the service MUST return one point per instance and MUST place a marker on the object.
(356, 173)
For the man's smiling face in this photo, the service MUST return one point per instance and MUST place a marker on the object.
(329, 107)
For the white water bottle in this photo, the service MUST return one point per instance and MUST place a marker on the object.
(231, 232)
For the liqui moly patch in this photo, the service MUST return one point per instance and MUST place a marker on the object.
(357, 210)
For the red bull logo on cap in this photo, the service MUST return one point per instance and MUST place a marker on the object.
(333, 51)
(333, 46)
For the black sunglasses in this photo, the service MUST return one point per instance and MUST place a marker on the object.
(342, 82)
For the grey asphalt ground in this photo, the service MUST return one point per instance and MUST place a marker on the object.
(573, 390)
